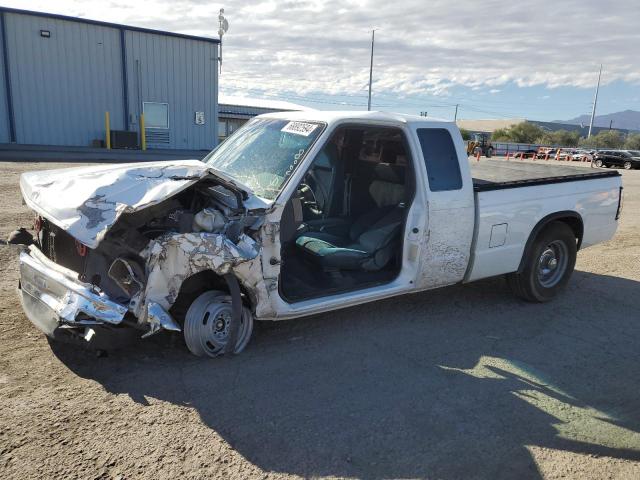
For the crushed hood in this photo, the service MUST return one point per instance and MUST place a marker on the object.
(87, 201)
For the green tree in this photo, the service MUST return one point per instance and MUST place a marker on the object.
(501, 135)
(561, 138)
(523, 132)
(466, 134)
(632, 142)
(604, 139)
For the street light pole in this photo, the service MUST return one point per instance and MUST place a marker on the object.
(595, 101)
(373, 39)
(455, 115)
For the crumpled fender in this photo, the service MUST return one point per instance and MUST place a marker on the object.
(174, 257)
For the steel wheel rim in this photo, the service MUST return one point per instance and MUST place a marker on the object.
(552, 264)
(598, 163)
(627, 165)
(207, 325)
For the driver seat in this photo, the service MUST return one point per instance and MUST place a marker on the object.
(372, 239)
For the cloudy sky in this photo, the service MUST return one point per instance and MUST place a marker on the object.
(496, 59)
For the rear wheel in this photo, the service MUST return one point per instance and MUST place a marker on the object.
(207, 325)
(598, 163)
(489, 152)
(548, 264)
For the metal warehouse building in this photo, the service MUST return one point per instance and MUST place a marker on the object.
(61, 74)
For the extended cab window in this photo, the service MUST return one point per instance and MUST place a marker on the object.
(440, 158)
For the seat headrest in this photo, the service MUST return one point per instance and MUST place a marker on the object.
(390, 173)
(387, 194)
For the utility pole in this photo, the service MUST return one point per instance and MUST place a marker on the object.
(373, 39)
(455, 116)
(595, 101)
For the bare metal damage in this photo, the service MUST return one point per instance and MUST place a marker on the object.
(173, 258)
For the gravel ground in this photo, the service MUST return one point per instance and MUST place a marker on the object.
(462, 382)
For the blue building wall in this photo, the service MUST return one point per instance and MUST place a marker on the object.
(4, 107)
(181, 73)
(62, 84)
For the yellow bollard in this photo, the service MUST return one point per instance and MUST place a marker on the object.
(107, 130)
(143, 134)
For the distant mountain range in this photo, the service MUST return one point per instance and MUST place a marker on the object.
(629, 119)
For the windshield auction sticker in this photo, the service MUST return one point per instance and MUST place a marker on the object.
(300, 128)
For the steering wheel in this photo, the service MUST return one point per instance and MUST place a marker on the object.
(307, 195)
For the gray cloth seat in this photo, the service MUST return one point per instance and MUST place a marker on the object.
(371, 240)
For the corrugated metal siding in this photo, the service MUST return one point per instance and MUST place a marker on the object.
(62, 85)
(4, 109)
(179, 72)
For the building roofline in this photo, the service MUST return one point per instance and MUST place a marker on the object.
(119, 26)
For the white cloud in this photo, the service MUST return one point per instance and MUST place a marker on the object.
(307, 46)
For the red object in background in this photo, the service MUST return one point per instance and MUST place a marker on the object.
(37, 224)
(81, 249)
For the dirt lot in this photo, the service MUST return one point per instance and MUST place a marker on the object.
(464, 382)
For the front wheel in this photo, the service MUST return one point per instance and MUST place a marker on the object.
(207, 325)
(627, 165)
(548, 264)
(489, 152)
(598, 163)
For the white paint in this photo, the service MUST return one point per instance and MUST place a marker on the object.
(596, 201)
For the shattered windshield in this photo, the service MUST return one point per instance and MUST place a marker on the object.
(264, 153)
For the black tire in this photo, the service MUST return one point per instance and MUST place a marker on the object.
(536, 283)
(627, 165)
(598, 163)
(489, 152)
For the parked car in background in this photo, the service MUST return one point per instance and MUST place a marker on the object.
(580, 155)
(526, 154)
(546, 152)
(626, 159)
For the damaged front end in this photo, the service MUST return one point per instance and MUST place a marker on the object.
(117, 255)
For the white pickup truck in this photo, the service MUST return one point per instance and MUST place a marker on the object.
(297, 214)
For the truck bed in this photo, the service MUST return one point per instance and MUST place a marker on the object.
(496, 174)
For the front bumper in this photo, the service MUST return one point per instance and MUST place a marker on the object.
(53, 297)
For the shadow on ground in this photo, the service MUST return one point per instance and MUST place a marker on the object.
(452, 383)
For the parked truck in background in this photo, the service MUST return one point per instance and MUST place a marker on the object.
(297, 214)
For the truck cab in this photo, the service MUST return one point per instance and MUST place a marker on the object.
(355, 223)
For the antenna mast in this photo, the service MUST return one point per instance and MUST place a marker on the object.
(373, 39)
(223, 26)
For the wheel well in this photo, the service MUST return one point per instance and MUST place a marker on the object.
(575, 223)
(572, 219)
(197, 284)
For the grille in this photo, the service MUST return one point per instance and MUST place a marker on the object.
(61, 247)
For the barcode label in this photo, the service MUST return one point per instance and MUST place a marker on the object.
(300, 128)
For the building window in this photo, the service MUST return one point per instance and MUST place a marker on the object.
(156, 115)
(222, 129)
